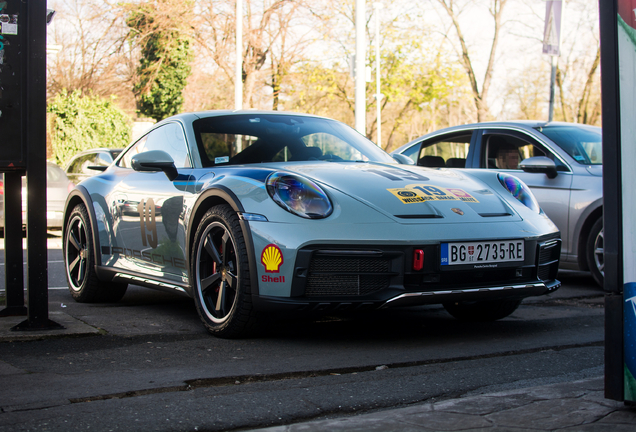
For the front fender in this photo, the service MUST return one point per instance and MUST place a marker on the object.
(219, 195)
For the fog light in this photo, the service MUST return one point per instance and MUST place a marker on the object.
(418, 259)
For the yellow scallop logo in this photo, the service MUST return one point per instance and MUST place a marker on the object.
(272, 258)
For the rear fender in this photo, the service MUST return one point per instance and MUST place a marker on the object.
(80, 195)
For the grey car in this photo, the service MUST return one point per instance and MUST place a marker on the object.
(256, 214)
(89, 163)
(560, 162)
(57, 188)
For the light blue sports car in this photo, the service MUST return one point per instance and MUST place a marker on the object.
(260, 213)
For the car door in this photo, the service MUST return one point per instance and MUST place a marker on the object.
(148, 220)
(503, 150)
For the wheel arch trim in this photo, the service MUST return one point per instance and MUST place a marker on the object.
(80, 195)
(582, 231)
(217, 196)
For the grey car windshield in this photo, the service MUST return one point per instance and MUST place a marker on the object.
(583, 143)
(257, 138)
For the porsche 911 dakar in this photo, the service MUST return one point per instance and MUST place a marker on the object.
(257, 214)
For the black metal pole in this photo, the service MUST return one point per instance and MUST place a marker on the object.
(14, 278)
(35, 135)
(612, 209)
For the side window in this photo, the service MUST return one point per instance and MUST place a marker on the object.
(168, 138)
(448, 151)
(506, 151)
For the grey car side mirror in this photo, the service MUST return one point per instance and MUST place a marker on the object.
(539, 164)
(153, 161)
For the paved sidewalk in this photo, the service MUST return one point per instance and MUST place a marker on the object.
(573, 406)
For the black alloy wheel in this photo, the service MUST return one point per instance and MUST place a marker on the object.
(221, 275)
(595, 252)
(79, 262)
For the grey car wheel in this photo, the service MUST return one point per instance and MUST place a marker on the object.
(595, 252)
(79, 262)
(221, 274)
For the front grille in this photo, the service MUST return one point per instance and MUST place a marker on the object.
(548, 260)
(346, 276)
(353, 265)
(344, 285)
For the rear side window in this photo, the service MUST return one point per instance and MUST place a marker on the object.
(447, 151)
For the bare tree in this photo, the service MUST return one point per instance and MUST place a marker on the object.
(88, 51)
(268, 35)
(578, 77)
(479, 95)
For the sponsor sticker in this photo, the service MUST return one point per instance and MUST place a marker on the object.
(272, 258)
(418, 193)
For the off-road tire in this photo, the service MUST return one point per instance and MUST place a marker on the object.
(220, 275)
(79, 262)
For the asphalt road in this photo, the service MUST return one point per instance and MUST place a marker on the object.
(154, 367)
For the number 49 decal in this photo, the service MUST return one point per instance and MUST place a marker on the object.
(148, 222)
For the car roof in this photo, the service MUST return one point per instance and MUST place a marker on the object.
(191, 116)
(518, 124)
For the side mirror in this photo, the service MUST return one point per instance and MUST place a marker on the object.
(153, 161)
(402, 159)
(539, 164)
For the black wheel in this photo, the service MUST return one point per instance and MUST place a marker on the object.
(79, 262)
(594, 252)
(221, 278)
(482, 310)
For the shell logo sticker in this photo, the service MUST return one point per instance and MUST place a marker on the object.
(272, 258)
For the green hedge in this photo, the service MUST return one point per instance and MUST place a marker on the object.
(80, 122)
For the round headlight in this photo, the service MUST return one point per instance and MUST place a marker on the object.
(519, 190)
(298, 195)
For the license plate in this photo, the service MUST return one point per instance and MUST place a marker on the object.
(482, 252)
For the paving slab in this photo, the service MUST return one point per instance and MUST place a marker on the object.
(70, 327)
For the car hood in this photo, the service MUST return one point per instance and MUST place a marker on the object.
(410, 193)
(595, 170)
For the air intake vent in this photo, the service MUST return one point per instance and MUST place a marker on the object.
(548, 260)
(347, 276)
(420, 216)
(491, 215)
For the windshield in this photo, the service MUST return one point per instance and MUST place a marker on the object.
(257, 138)
(582, 142)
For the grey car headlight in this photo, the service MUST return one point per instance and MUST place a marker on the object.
(519, 190)
(299, 195)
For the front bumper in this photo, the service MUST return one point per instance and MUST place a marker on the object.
(332, 278)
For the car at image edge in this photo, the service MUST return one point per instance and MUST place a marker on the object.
(57, 188)
(254, 214)
(89, 163)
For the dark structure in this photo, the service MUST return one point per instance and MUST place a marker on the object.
(23, 151)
